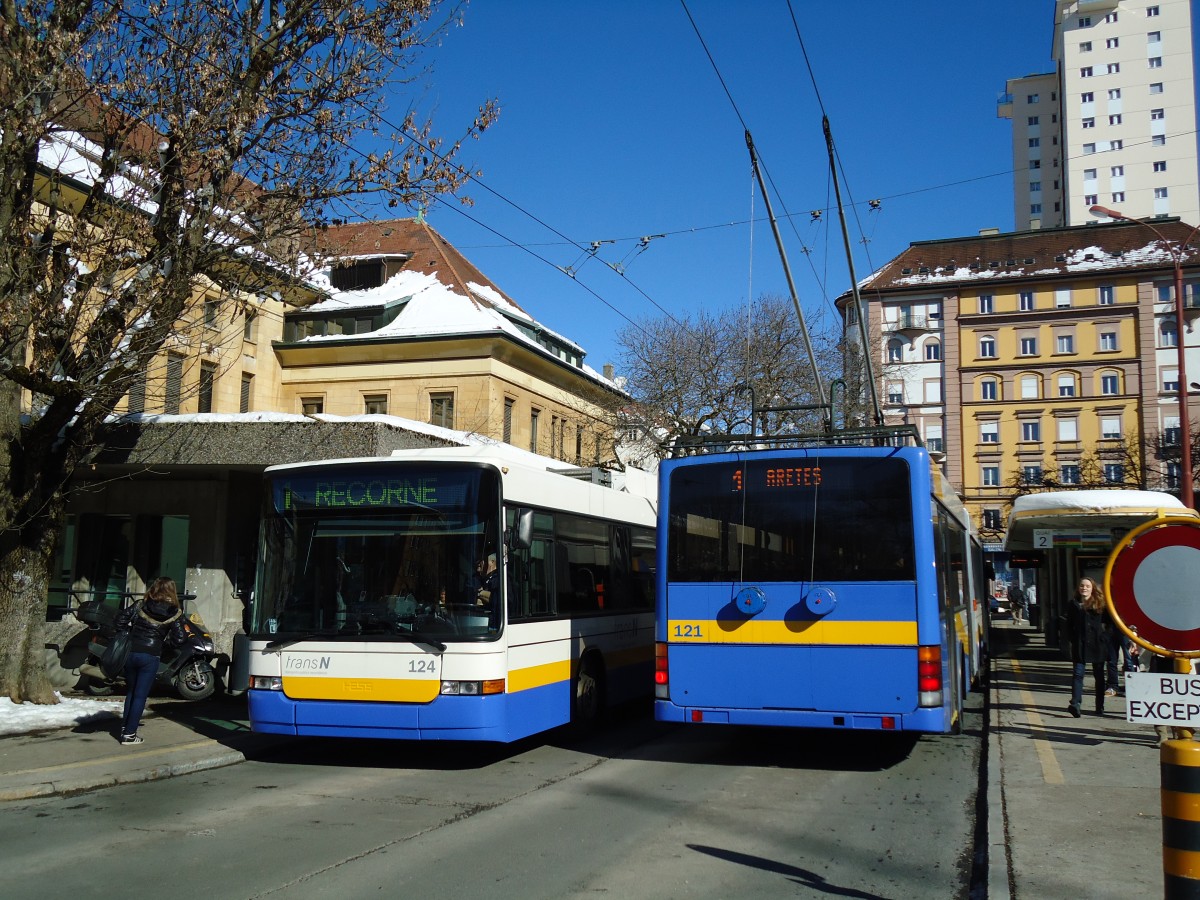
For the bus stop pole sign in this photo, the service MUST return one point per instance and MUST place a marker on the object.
(1152, 581)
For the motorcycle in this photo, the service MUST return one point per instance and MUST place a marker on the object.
(187, 669)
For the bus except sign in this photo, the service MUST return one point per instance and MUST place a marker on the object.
(1162, 699)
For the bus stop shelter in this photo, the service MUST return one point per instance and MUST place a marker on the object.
(1067, 535)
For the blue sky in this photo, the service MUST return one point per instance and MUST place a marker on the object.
(614, 125)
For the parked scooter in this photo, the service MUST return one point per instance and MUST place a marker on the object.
(187, 669)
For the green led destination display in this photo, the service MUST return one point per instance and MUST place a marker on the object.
(379, 488)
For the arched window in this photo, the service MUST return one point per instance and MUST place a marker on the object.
(1168, 335)
(895, 351)
(933, 350)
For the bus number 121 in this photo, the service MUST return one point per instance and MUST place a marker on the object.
(689, 630)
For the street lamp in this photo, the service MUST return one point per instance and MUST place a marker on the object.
(1176, 249)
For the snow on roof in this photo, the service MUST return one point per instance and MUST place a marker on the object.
(1093, 501)
(433, 308)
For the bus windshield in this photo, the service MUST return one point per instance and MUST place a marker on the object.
(384, 550)
(821, 518)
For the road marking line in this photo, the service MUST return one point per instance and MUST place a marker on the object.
(1051, 771)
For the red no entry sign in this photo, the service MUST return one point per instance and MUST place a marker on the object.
(1153, 585)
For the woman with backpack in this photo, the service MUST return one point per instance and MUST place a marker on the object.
(152, 622)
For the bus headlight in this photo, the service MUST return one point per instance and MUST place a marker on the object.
(472, 688)
(266, 683)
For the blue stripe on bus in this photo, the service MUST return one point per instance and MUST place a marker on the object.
(499, 717)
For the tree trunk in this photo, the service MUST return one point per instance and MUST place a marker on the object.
(24, 585)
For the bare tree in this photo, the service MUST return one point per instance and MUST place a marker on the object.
(153, 156)
(699, 374)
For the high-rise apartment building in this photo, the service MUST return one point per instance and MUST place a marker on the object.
(1114, 123)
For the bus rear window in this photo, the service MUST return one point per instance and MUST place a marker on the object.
(814, 519)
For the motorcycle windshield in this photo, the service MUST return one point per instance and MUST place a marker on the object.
(378, 552)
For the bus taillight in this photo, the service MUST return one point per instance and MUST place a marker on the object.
(929, 676)
(661, 678)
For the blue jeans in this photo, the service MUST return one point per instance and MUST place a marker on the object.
(1098, 667)
(140, 669)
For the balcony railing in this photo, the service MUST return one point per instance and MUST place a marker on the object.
(916, 322)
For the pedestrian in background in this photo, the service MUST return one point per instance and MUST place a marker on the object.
(1089, 631)
(1031, 605)
(1016, 597)
(152, 622)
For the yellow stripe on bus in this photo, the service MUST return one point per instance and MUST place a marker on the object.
(538, 676)
(393, 690)
(693, 631)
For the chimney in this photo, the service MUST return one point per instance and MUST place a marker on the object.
(608, 371)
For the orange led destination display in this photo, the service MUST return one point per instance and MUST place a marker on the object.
(783, 477)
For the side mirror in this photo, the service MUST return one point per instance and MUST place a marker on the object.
(522, 533)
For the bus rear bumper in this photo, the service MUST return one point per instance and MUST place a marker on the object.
(930, 721)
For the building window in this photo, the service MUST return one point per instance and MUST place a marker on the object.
(1030, 387)
(1112, 43)
(991, 476)
(1035, 164)
(1154, 62)
(250, 328)
(989, 432)
(534, 415)
(247, 392)
(1156, 87)
(1032, 98)
(987, 348)
(1107, 295)
(1160, 165)
(1108, 340)
(210, 313)
(1118, 197)
(137, 393)
(895, 393)
(1085, 47)
(1113, 68)
(1151, 10)
(375, 404)
(208, 378)
(1062, 298)
(1156, 114)
(991, 519)
(1090, 199)
(1170, 381)
(1035, 187)
(1089, 122)
(1110, 429)
(1028, 346)
(1160, 193)
(1085, 72)
(1027, 303)
(1116, 171)
(1088, 149)
(985, 303)
(1174, 471)
(1068, 430)
(441, 409)
(1066, 385)
(1114, 94)
(1168, 336)
(933, 351)
(1114, 119)
(1114, 473)
(174, 390)
(1031, 474)
(1069, 474)
(1109, 384)
(1064, 343)
(1032, 120)
(1031, 431)
(1035, 142)
(988, 389)
(1089, 174)
(1085, 21)
(895, 351)
(1035, 208)
(509, 403)
(1158, 140)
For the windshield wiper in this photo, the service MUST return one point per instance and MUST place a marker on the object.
(311, 636)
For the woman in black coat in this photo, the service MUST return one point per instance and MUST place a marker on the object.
(152, 623)
(1089, 635)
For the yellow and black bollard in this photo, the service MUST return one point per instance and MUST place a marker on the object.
(1179, 762)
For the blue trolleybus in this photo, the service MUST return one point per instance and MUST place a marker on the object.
(817, 586)
(453, 593)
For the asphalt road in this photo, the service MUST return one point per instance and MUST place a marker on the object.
(639, 810)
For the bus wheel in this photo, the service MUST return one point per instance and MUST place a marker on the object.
(588, 694)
